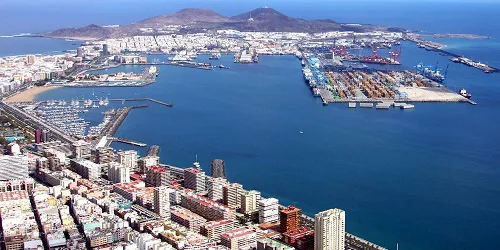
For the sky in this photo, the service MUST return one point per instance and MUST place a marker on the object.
(34, 16)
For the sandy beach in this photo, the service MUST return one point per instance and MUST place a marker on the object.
(29, 94)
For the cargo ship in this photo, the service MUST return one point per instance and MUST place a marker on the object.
(464, 93)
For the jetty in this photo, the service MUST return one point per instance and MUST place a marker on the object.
(130, 142)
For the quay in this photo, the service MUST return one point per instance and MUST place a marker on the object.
(122, 140)
(129, 100)
(117, 119)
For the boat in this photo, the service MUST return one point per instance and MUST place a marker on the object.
(215, 56)
(301, 132)
(383, 106)
(352, 105)
(407, 106)
(366, 105)
(222, 66)
(464, 93)
(325, 103)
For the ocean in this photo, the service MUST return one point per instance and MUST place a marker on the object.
(426, 178)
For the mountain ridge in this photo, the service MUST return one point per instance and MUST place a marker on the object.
(198, 19)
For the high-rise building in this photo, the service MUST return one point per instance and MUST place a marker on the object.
(129, 159)
(194, 179)
(117, 173)
(86, 168)
(214, 188)
(81, 149)
(38, 136)
(102, 155)
(157, 176)
(231, 195)
(240, 238)
(30, 59)
(290, 218)
(249, 201)
(218, 168)
(45, 135)
(329, 230)
(105, 49)
(80, 52)
(268, 210)
(162, 201)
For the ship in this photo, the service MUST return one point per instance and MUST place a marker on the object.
(215, 56)
(464, 93)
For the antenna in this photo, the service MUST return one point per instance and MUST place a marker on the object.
(397, 246)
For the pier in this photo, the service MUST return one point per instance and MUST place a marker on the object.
(130, 142)
(118, 118)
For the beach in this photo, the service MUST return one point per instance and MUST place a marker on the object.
(29, 95)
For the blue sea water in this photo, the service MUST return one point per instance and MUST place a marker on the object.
(426, 178)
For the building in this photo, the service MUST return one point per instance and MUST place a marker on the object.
(81, 149)
(103, 155)
(302, 238)
(38, 136)
(270, 244)
(162, 201)
(329, 230)
(14, 149)
(240, 238)
(187, 218)
(13, 167)
(231, 195)
(86, 169)
(290, 218)
(218, 169)
(249, 201)
(30, 59)
(80, 52)
(105, 49)
(157, 176)
(147, 161)
(194, 179)
(129, 159)
(268, 210)
(215, 188)
(117, 173)
(205, 207)
(214, 229)
(45, 135)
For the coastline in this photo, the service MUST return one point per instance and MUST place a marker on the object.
(29, 95)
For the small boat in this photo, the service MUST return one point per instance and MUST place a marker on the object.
(325, 103)
(407, 106)
(301, 132)
(464, 93)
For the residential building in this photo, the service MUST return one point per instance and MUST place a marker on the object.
(240, 238)
(129, 159)
(118, 173)
(329, 230)
(162, 201)
(81, 149)
(290, 218)
(205, 207)
(194, 179)
(268, 210)
(157, 176)
(231, 195)
(215, 188)
(187, 218)
(214, 229)
(249, 201)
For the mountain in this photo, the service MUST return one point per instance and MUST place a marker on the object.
(199, 20)
(183, 17)
(88, 32)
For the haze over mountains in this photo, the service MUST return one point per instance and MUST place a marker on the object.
(198, 20)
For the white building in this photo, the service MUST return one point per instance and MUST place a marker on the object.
(81, 149)
(87, 169)
(128, 159)
(117, 173)
(214, 188)
(162, 201)
(329, 230)
(268, 210)
(249, 201)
